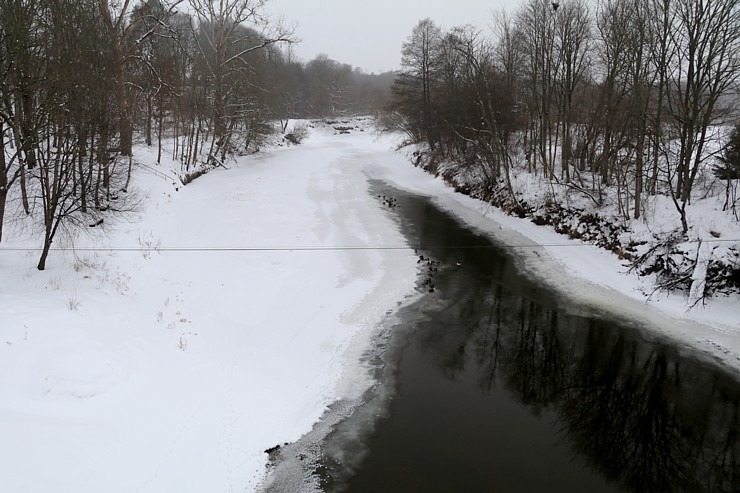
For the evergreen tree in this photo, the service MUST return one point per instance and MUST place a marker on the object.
(729, 166)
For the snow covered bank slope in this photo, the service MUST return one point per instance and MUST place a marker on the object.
(587, 275)
(163, 369)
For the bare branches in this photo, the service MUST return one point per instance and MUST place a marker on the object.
(229, 35)
(628, 99)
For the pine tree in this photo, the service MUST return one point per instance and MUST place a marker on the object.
(729, 166)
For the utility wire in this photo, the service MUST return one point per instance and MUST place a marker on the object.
(330, 248)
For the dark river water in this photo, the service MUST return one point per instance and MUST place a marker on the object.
(495, 385)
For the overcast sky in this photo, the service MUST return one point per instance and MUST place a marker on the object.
(368, 33)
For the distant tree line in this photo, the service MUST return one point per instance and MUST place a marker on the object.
(622, 94)
(80, 80)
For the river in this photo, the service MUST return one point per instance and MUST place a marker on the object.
(490, 382)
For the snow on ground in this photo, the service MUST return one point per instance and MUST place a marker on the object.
(229, 327)
(158, 370)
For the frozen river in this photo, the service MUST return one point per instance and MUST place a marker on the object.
(493, 383)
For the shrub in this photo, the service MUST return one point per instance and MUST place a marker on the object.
(729, 166)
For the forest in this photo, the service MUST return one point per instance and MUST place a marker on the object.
(82, 80)
(610, 106)
(614, 108)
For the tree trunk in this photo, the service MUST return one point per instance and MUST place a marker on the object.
(606, 158)
(28, 133)
(102, 154)
(567, 152)
(125, 127)
(160, 118)
(44, 253)
(176, 135)
(50, 182)
(3, 199)
(3, 184)
(106, 177)
(24, 190)
(128, 173)
(81, 182)
(196, 148)
(91, 169)
(149, 111)
(219, 114)
(639, 164)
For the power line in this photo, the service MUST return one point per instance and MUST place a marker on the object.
(210, 249)
(324, 248)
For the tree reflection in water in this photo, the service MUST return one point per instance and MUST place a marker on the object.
(642, 415)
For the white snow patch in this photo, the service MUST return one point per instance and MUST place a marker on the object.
(229, 327)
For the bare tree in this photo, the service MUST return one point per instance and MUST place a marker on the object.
(21, 64)
(419, 55)
(573, 28)
(484, 117)
(121, 26)
(706, 39)
(613, 20)
(9, 171)
(228, 31)
(54, 99)
(643, 78)
(12, 31)
(535, 21)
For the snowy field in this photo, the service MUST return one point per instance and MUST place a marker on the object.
(156, 369)
(169, 355)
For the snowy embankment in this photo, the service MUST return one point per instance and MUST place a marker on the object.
(171, 354)
(224, 321)
(597, 279)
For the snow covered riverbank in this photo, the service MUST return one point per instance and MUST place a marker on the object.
(592, 277)
(227, 329)
(171, 354)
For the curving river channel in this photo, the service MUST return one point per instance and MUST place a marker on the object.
(491, 383)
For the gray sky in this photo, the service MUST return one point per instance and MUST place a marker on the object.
(368, 33)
